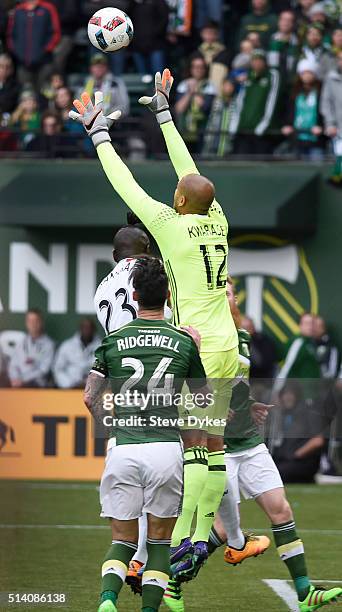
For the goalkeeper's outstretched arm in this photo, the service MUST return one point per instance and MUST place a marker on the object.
(97, 127)
(159, 106)
(119, 175)
(178, 151)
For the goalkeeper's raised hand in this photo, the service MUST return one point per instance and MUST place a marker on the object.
(92, 117)
(159, 103)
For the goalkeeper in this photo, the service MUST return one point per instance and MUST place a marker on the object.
(192, 238)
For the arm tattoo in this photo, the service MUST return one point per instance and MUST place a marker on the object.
(95, 387)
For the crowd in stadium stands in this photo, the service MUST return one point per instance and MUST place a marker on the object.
(253, 77)
(307, 388)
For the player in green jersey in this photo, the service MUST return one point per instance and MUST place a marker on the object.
(192, 238)
(146, 362)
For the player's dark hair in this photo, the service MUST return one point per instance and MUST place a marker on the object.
(35, 311)
(150, 282)
(130, 241)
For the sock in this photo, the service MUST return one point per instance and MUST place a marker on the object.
(211, 496)
(291, 551)
(114, 568)
(156, 574)
(195, 476)
(141, 554)
(214, 541)
(230, 516)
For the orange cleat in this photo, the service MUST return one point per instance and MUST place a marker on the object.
(134, 576)
(254, 546)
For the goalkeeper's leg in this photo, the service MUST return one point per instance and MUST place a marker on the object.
(220, 369)
(195, 477)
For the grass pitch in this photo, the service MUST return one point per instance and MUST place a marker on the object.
(51, 540)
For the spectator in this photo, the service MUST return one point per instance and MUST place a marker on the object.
(205, 10)
(68, 14)
(254, 38)
(304, 119)
(114, 90)
(215, 54)
(51, 142)
(75, 356)
(217, 138)
(8, 86)
(26, 117)
(327, 354)
(331, 109)
(314, 49)
(284, 46)
(263, 352)
(317, 14)
(195, 96)
(49, 90)
(33, 34)
(242, 62)
(31, 361)
(301, 359)
(329, 60)
(150, 20)
(242, 59)
(299, 441)
(303, 17)
(260, 20)
(257, 108)
(63, 102)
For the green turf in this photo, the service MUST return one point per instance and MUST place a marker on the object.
(52, 559)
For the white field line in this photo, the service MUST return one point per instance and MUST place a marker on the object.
(285, 592)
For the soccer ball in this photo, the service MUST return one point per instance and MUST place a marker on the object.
(110, 29)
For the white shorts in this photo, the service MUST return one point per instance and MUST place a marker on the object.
(252, 472)
(142, 478)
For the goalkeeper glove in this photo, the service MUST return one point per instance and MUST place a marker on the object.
(92, 117)
(159, 103)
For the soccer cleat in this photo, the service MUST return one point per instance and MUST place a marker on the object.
(188, 568)
(318, 597)
(178, 552)
(173, 597)
(107, 606)
(254, 546)
(134, 576)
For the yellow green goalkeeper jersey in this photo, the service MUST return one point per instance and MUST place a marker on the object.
(194, 247)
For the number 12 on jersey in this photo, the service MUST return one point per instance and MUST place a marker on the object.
(218, 279)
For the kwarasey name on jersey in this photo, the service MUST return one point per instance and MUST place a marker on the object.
(213, 229)
(148, 340)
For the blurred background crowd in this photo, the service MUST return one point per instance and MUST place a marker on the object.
(252, 77)
(304, 380)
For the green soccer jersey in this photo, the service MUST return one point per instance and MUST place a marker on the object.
(147, 363)
(241, 433)
(194, 247)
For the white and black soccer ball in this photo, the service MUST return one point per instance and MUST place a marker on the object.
(110, 29)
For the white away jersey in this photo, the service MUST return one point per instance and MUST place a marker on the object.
(113, 299)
